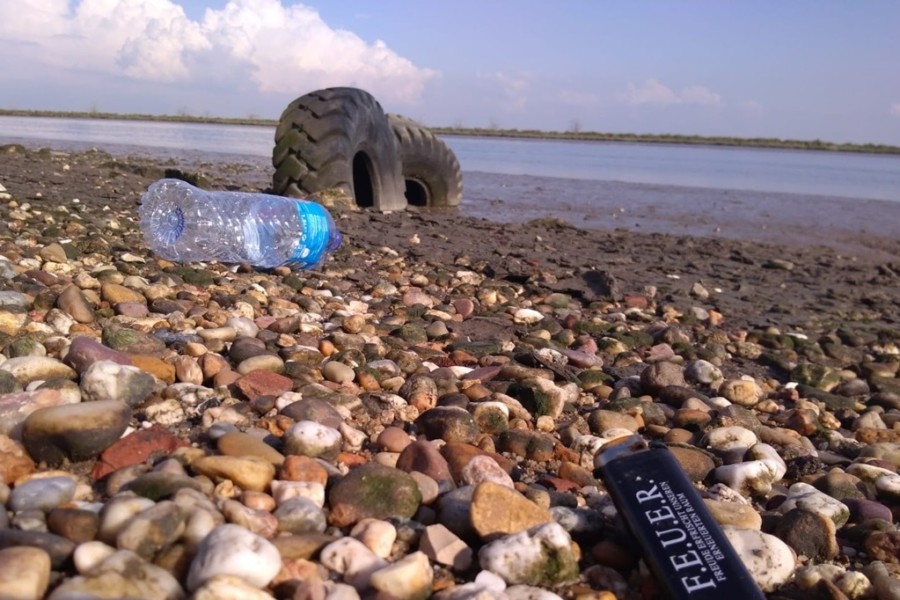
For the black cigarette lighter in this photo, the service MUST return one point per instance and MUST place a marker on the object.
(681, 542)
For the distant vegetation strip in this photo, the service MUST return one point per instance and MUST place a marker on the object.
(593, 136)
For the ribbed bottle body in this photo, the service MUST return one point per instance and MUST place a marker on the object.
(183, 223)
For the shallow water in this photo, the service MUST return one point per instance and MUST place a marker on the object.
(757, 169)
(859, 226)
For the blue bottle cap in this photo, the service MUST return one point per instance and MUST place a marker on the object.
(317, 231)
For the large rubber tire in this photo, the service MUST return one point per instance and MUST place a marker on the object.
(338, 139)
(430, 168)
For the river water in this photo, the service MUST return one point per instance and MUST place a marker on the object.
(765, 170)
(788, 196)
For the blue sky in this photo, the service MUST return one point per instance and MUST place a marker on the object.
(800, 69)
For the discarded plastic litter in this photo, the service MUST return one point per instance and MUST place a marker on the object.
(183, 223)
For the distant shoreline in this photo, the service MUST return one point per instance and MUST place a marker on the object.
(591, 136)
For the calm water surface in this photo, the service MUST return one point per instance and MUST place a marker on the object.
(834, 174)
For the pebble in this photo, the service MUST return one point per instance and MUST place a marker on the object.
(263, 383)
(338, 372)
(445, 548)
(59, 549)
(409, 578)
(247, 472)
(226, 587)
(76, 524)
(373, 491)
(74, 432)
(741, 516)
(424, 457)
(37, 368)
(484, 468)
(136, 448)
(236, 443)
(73, 303)
(733, 440)
(308, 438)
(743, 392)
(122, 574)
(108, 380)
(14, 461)
(232, 550)
(378, 535)
(16, 406)
(808, 534)
(541, 556)
(702, 371)
(152, 530)
(351, 559)
(751, 478)
(300, 515)
(662, 374)
(769, 455)
(802, 495)
(393, 439)
(44, 494)
(261, 362)
(304, 469)
(886, 585)
(770, 561)
(498, 510)
(24, 573)
(448, 423)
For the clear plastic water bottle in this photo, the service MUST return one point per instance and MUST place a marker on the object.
(183, 223)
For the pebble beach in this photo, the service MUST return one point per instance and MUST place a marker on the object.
(420, 416)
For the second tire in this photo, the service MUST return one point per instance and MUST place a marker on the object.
(430, 169)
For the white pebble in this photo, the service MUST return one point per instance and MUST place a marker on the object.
(802, 495)
(518, 557)
(117, 512)
(233, 550)
(352, 559)
(377, 535)
(484, 468)
(733, 439)
(770, 561)
(888, 486)
(409, 578)
(90, 554)
(283, 490)
(312, 439)
(751, 478)
(527, 316)
(226, 587)
(769, 455)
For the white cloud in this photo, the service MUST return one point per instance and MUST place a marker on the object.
(512, 90)
(277, 48)
(894, 110)
(583, 99)
(751, 107)
(652, 92)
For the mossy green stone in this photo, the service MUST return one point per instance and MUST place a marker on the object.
(816, 375)
(414, 334)
(373, 491)
(195, 276)
(535, 400)
(590, 379)
(25, 347)
(8, 383)
(120, 338)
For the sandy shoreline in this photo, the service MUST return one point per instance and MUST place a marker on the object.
(860, 228)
